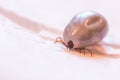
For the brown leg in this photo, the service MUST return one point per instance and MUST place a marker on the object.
(84, 49)
(59, 39)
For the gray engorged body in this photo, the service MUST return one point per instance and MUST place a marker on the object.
(85, 29)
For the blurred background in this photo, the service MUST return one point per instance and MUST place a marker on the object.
(28, 29)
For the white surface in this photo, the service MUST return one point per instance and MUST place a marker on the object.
(28, 29)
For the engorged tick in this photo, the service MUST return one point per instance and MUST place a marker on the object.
(85, 29)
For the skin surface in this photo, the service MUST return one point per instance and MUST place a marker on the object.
(85, 29)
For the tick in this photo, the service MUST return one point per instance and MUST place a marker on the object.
(85, 29)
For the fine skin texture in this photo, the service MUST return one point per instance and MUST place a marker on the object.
(85, 29)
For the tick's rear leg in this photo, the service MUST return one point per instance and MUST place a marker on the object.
(84, 50)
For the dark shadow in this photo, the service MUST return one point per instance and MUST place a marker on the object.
(115, 46)
(29, 24)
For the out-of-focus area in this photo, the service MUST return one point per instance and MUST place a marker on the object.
(28, 29)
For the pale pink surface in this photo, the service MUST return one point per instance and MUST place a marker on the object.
(28, 29)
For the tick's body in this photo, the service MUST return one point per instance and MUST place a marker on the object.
(85, 29)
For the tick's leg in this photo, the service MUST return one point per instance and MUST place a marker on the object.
(88, 51)
(59, 39)
(84, 49)
(78, 49)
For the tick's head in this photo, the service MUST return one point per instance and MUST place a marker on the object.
(70, 44)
